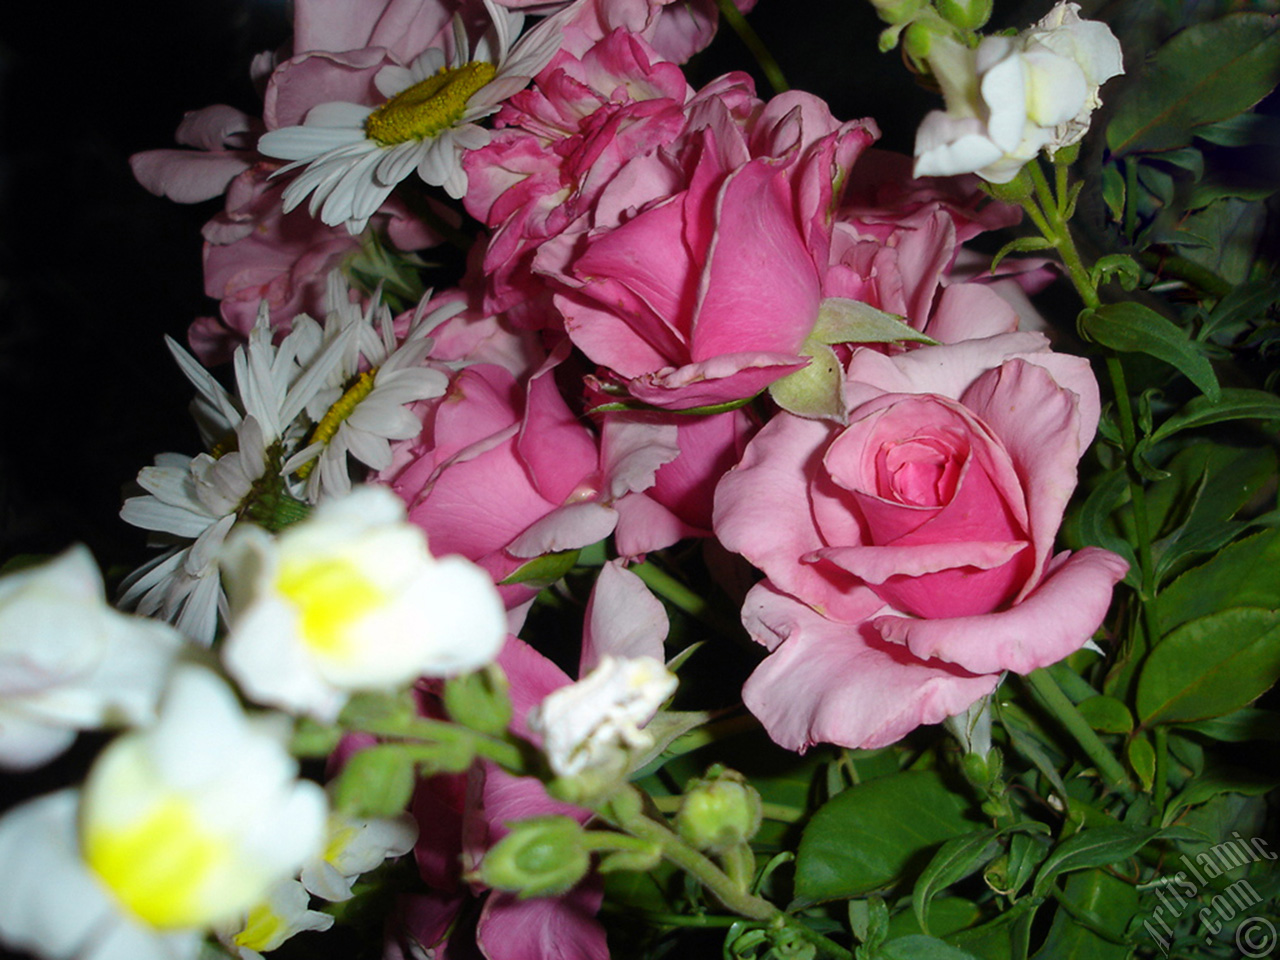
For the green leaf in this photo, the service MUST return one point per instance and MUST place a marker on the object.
(1242, 574)
(544, 570)
(376, 782)
(876, 833)
(1106, 714)
(1119, 265)
(1020, 245)
(920, 947)
(1244, 130)
(1029, 740)
(1132, 328)
(1210, 666)
(1142, 760)
(1234, 403)
(1206, 73)
(1092, 847)
(1095, 908)
(841, 320)
(1113, 190)
(1240, 727)
(1206, 788)
(954, 861)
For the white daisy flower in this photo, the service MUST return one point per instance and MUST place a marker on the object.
(380, 380)
(191, 503)
(353, 156)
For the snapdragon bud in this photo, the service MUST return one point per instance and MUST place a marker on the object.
(540, 857)
(965, 14)
(719, 811)
(897, 11)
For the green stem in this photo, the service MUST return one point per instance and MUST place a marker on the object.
(1059, 234)
(671, 919)
(683, 598)
(1060, 705)
(1161, 786)
(747, 34)
(506, 754)
(625, 813)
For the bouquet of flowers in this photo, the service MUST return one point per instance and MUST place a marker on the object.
(641, 516)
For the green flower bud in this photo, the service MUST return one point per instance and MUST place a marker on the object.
(965, 14)
(897, 11)
(540, 857)
(718, 811)
(918, 39)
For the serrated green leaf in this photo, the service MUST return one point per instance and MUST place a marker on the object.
(954, 861)
(1205, 73)
(1210, 666)
(1133, 328)
(870, 836)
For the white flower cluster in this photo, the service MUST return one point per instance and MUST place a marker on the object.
(301, 411)
(1011, 97)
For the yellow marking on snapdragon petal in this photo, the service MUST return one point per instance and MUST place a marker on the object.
(340, 838)
(159, 866)
(330, 593)
(262, 929)
(336, 414)
(429, 106)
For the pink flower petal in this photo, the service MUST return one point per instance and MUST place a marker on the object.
(1054, 620)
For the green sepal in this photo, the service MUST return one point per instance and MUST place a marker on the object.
(542, 571)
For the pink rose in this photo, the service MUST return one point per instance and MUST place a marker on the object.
(912, 550)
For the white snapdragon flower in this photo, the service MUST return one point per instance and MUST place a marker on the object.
(283, 914)
(350, 600)
(354, 847)
(1012, 97)
(69, 662)
(589, 725)
(180, 828)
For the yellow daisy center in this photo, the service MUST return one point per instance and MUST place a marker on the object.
(426, 108)
(335, 415)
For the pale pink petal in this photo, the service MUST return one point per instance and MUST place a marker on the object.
(623, 619)
(1054, 620)
(830, 682)
(569, 527)
(186, 176)
(762, 511)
